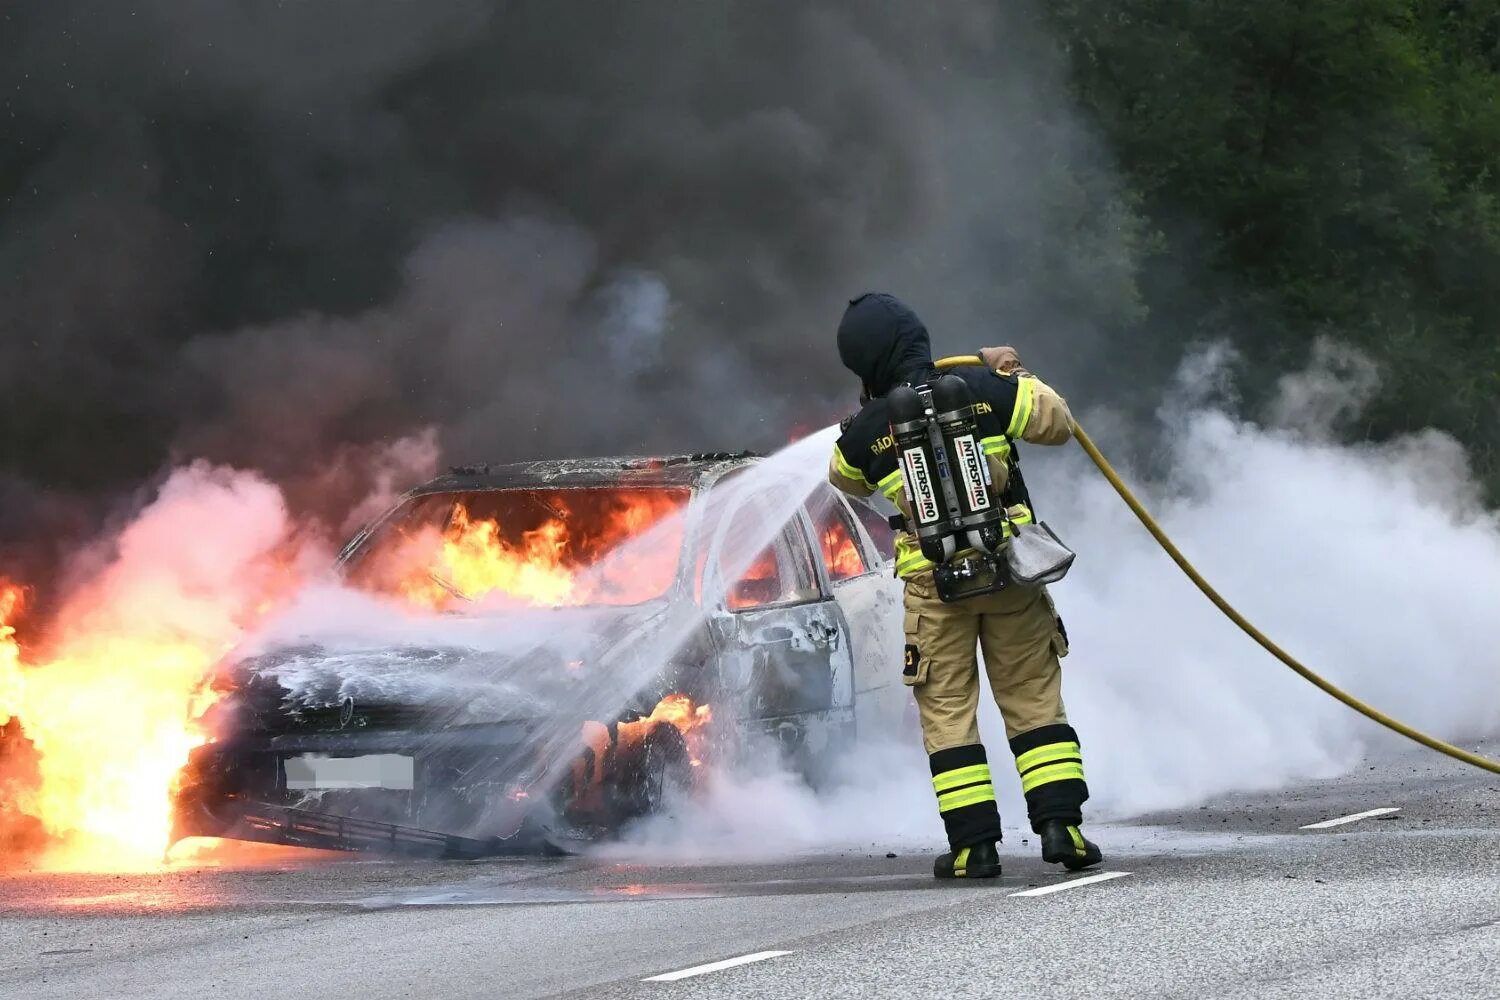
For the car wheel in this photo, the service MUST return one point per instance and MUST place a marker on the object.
(650, 776)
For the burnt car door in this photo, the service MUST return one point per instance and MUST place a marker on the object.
(783, 640)
(855, 543)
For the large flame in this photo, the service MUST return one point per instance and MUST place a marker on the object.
(108, 719)
(101, 712)
(559, 562)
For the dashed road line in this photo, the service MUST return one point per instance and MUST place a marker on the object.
(728, 963)
(1385, 811)
(1073, 883)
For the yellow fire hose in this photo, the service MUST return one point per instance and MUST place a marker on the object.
(1457, 753)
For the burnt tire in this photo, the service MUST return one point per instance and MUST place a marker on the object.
(650, 776)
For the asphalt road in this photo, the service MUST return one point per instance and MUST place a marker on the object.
(1232, 900)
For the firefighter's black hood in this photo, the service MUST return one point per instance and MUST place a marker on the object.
(883, 342)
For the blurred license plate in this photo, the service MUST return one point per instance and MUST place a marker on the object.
(383, 770)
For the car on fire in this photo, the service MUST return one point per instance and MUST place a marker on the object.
(569, 642)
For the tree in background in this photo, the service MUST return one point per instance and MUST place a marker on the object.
(1333, 163)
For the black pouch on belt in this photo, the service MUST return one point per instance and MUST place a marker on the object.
(969, 576)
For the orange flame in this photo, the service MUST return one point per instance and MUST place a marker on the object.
(101, 712)
(107, 717)
(840, 553)
(590, 771)
(548, 566)
(678, 709)
(476, 560)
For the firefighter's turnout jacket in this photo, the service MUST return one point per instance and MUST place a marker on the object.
(883, 342)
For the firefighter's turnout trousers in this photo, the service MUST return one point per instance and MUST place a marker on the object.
(1021, 638)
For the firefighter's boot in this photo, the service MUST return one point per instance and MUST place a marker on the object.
(1065, 843)
(975, 861)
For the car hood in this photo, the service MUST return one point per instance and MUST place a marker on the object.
(463, 671)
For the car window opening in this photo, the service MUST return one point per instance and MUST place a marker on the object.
(780, 573)
(836, 536)
(874, 513)
(535, 547)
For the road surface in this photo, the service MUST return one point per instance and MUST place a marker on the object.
(1233, 900)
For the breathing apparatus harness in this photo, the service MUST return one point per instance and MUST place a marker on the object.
(956, 517)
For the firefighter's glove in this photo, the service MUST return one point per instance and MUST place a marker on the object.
(1001, 359)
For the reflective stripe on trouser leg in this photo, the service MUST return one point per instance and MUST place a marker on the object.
(965, 795)
(1050, 763)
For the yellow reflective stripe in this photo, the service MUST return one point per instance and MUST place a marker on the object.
(961, 776)
(1021, 415)
(966, 797)
(1047, 755)
(909, 557)
(891, 485)
(1079, 847)
(997, 445)
(910, 560)
(1019, 514)
(845, 469)
(1047, 775)
(961, 862)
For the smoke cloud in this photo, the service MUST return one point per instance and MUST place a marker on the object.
(1370, 563)
(281, 236)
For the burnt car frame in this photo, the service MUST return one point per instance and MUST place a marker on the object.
(798, 655)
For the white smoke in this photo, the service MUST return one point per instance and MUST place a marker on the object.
(390, 467)
(880, 800)
(1374, 564)
(210, 544)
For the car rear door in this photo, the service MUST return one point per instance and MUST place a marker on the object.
(785, 641)
(869, 599)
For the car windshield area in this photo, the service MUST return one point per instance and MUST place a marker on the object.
(548, 547)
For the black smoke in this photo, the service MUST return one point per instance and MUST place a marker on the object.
(279, 234)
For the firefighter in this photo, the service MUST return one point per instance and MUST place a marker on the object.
(1017, 628)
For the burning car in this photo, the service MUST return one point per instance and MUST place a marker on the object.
(592, 632)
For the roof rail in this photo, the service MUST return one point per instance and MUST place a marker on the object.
(622, 462)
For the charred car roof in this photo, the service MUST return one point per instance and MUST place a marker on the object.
(660, 470)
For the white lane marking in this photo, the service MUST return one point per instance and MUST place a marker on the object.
(1352, 819)
(728, 963)
(1074, 883)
